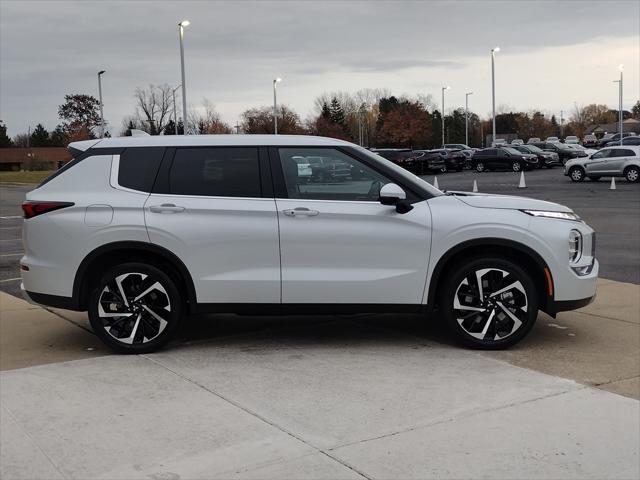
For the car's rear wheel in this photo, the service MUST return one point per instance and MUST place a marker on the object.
(480, 166)
(576, 174)
(135, 308)
(632, 174)
(489, 303)
(516, 166)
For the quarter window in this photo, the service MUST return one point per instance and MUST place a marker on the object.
(215, 172)
(328, 174)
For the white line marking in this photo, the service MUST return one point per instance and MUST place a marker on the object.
(10, 280)
(17, 239)
(10, 217)
(12, 254)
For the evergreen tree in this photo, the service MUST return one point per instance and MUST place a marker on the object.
(336, 113)
(170, 128)
(5, 141)
(40, 136)
(130, 126)
(59, 137)
(326, 111)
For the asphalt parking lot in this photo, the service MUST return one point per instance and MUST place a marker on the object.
(364, 396)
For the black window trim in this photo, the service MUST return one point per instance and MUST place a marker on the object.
(161, 185)
(281, 192)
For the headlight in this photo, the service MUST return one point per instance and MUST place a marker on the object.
(556, 215)
(575, 246)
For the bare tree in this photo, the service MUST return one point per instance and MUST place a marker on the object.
(153, 107)
(206, 120)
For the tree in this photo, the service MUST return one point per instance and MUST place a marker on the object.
(80, 112)
(21, 140)
(153, 106)
(5, 141)
(59, 137)
(403, 123)
(336, 112)
(208, 122)
(595, 114)
(635, 110)
(40, 136)
(260, 120)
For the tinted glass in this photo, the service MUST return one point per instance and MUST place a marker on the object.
(216, 172)
(138, 167)
(601, 154)
(336, 177)
(623, 152)
(511, 150)
(534, 149)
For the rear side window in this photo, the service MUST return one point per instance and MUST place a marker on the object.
(216, 172)
(138, 167)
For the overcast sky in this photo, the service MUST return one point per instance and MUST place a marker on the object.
(553, 53)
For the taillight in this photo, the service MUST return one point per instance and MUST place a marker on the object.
(32, 209)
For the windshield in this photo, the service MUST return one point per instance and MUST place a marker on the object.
(405, 174)
(534, 149)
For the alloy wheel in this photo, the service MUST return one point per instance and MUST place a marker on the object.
(577, 175)
(632, 174)
(490, 304)
(134, 308)
(516, 166)
(480, 167)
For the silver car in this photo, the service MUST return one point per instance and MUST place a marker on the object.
(609, 162)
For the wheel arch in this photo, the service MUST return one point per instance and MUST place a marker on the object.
(510, 249)
(119, 252)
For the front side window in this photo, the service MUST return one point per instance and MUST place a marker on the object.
(328, 174)
(600, 154)
(216, 172)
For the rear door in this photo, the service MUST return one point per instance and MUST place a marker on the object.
(212, 207)
(618, 159)
(338, 243)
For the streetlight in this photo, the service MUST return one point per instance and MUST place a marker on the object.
(466, 117)
(100, 96)
(175, 116)
(275, 106)
(621, 68)
(443, 89)
(181, 25)
(493, 90)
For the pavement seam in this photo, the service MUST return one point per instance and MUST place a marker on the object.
(33, 440)
(69, 320)
(463, 416)
(603, 384)
(256, 415)
(608, 318)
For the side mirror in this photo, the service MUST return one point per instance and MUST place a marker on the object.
(392, 194)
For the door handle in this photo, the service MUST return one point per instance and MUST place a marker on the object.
(301, 211)
(166, 208)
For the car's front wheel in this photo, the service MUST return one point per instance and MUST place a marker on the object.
(480, 166)
(489, 303)
(516, 166)
(632, 174)
(576, 174)
(135, 308)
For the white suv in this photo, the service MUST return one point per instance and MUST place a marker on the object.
(140, 231)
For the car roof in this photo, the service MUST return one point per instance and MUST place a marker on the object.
(210, 140)
(635, 148)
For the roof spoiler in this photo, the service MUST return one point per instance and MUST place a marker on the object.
(139, 133)
(76, 148)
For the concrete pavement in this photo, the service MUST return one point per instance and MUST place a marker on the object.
(323, 397)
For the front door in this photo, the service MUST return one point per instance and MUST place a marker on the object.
(597, 164)
(338, 244)
(208, 208)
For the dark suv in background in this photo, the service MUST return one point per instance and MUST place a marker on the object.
(504, 158)
(545, 159)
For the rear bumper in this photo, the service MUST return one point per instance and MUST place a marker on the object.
(54, 301)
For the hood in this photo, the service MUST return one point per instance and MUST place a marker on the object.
(481, 200)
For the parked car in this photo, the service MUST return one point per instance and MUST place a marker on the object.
(571, 139)
(552, 139)
(517, 141)
(545, 159)
(533, 140)
(454, 159)
(324, 169)
(610, 162)
(580, 148)
(140, 231)
(426, 161)
(399, 156)
(590, 141)
(503, 158)
(626, 140)
(565, 152)
(466, 150)
(498, 142)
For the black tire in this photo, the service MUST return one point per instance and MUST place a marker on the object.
(140, 329)
(632, 174)
(502, 328)
(576, 174)
(516, 166)
(549, 166)
(480, 167)
(443, 169)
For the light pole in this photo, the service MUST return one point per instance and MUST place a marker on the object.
(466, 117)
(443, 89)
(493, 90)
(175, 116)
(621, 68)
(181, 25)
(275, 106)
(101, 109)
